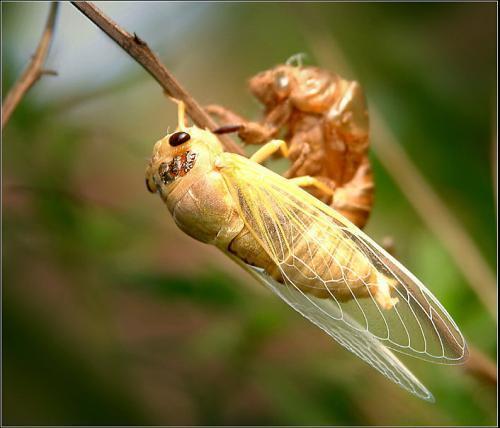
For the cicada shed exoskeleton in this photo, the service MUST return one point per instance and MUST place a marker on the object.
(324, 120)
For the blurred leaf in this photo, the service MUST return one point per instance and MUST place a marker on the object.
(48, 382)
(209, 287)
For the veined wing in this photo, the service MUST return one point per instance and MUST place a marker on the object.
(293, 227)
(325, 314)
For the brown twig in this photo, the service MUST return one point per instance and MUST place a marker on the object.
(480, 366)
(34, 71)
(494, 156)
(140, 52)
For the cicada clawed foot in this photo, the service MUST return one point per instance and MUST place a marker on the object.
(382, 293)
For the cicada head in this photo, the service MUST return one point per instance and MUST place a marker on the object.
(273, 86)
(181, 156)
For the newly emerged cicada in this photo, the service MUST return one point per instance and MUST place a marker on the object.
(311, 256)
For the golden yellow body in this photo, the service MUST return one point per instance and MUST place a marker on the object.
(304, 251)
(203, 207)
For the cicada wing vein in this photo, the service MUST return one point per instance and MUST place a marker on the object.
(302, 235)
(362, 343)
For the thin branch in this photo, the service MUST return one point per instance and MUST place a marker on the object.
(481, 366)
(494, 156)
(34, 71)
(140, 52)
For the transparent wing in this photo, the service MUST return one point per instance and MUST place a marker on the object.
(349, 334)
(302, 235)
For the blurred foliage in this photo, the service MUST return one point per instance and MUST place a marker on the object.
(113, 316)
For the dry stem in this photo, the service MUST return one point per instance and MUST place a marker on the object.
(481, 366)
(140, 52)
(34, 71)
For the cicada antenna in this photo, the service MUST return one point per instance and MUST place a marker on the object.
(296, 59)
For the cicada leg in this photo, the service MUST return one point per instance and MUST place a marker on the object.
(249, 132)
(354, 200)
(224, 115)
(308, 181)
(268, 149)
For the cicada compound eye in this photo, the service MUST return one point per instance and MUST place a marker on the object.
(281, 81)
(178, 138)
(282, 84)
(165, 173)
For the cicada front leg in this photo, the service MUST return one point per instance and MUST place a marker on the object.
(253, 132)
(249, 132)
(224, 115)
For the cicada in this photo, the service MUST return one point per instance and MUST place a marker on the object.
(324, 120)
(304, 251)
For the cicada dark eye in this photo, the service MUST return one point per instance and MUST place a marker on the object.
(178, 138)
(281, 85)
(281, 81)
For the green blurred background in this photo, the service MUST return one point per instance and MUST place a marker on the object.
(111, 315)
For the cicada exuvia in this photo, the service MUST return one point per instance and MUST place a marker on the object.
(303, 250)
(324, 120)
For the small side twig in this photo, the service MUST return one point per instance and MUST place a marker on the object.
(34, 71)
(494, 157)
(481, 367)
(139, 50)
